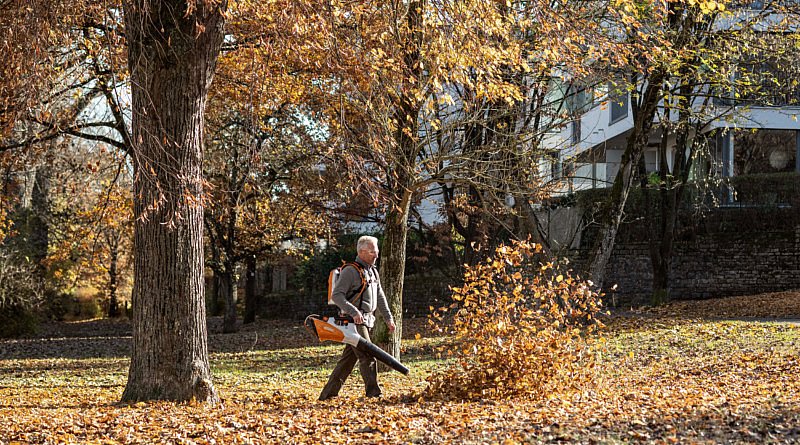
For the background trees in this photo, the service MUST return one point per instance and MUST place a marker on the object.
(432, 93)
(66, 103)
(266, 149)
(316, 106)
(685, 61)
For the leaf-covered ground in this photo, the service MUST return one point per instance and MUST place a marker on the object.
(720, 371)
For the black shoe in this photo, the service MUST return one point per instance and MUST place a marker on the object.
(323, 398)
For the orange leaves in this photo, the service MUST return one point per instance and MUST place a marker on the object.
(521, 329)
(689, 381)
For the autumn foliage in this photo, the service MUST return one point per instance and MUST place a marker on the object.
(522, 329)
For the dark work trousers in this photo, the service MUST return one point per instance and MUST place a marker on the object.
(366, 364)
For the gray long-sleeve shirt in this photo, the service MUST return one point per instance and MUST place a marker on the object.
(373, 298)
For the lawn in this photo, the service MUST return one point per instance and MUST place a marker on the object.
(722, 371)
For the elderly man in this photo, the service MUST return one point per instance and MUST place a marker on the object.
(362, 311)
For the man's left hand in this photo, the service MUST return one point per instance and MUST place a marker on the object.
(391, 326)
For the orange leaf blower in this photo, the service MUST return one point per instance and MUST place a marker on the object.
(341, 330)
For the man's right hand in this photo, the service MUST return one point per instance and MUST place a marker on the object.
(358, 319)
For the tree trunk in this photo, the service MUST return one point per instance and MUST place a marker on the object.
(250, 295)
(215, 305)
(673, 185)
(612, 216)
(613, 210)
(113, 274)
(662, 224)
(393, 269)
(171, 56)
(38, 225)
(230, 297)
(660, 229)
(400, 179)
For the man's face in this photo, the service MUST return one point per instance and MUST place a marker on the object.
(369, 254)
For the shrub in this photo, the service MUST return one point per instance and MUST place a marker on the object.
(521, 328)
(87, 308)
(57, 305)
(312, 274)
(17, 321)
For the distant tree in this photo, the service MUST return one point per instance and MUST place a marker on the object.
(93, 236)
(66, 87)
(265, 152)
(701, 91)
(262, 192)
(398, 65)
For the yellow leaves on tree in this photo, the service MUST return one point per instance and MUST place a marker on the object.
(5, 220)
(97, 242)
(522, 329)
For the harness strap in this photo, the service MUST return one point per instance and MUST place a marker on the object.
(358, 296)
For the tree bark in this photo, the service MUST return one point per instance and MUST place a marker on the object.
(173, 49)
(229, 296)
(613, 210)
(250, 295)
(393, 269)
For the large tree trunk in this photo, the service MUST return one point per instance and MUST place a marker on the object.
(172, 56)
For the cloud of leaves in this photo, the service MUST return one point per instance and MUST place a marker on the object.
(522, 329)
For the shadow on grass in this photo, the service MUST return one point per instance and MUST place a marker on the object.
(111, 339)
(779, 423)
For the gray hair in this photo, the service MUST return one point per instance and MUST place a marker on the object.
(365, 241)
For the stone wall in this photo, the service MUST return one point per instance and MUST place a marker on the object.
(419, 293)
(731, 252)
(747, 248)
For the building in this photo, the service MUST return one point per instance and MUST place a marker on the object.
(746, 132)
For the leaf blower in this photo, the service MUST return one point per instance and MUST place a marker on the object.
(342, 330)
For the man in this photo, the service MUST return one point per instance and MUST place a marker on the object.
(363, 314)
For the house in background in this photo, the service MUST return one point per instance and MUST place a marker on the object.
(746, 140)
(745, 135)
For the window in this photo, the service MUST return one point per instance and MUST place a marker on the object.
(579, 100)
(764, 151)
(555, 164)
(618, 103)
(575, 133)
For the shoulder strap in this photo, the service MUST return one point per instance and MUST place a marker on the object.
(360, 292)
